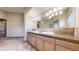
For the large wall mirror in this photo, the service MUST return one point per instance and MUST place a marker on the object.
(64, 20)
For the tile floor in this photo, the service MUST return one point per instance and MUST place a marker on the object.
(14, 44)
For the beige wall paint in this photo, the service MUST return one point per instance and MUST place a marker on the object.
(77, 22)
(77, 17)
(15, 24)
(2, 14)
(29, 24)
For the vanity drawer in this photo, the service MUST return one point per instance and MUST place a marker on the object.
(46, 38)
(40, 44)
(69, 45)
(48, 46)
(60, 48)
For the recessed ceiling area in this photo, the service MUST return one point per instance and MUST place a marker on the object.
(16, 9)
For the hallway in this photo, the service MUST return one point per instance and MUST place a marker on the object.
(14, 44)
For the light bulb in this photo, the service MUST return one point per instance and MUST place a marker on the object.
(50, 11)
(50, 17)
(52, 14)
(60, 12)
(55, 9)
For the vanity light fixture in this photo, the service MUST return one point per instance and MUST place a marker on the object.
(37, 17)
(54, 12)
(38, 20)
(50, 12)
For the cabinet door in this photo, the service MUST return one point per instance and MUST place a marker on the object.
(28, 37)
(48, 46)
(60, 48)
(40, 44)
(33, 41)
(69, 45)
(29, 40)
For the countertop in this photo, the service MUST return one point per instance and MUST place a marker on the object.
(65, 37)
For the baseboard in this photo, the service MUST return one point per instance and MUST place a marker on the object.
(16, 37)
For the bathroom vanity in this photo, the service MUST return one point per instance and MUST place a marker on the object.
(57, 33)
(53, 42)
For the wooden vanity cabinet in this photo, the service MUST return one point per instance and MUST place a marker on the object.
(33, 40)
(45, 43)
(39, 44)
(61, 48)
(29, 38)
(42, 43)
(49, 44)
(64, 45)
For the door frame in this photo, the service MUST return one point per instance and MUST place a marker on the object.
(5, 26)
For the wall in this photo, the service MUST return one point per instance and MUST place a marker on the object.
(77, 22)
(2, 14)
(29, 25)
(77, 17)
(15, 23)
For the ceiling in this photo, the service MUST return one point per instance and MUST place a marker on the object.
(16, 9)
(35, 11)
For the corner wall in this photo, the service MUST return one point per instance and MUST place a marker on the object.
(15, 23)
(15, 26)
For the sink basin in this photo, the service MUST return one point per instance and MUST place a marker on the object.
(36, 32)
(50, 33)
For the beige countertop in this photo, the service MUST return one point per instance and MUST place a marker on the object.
(64, 37)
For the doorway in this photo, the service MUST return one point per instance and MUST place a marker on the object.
(3, 24)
